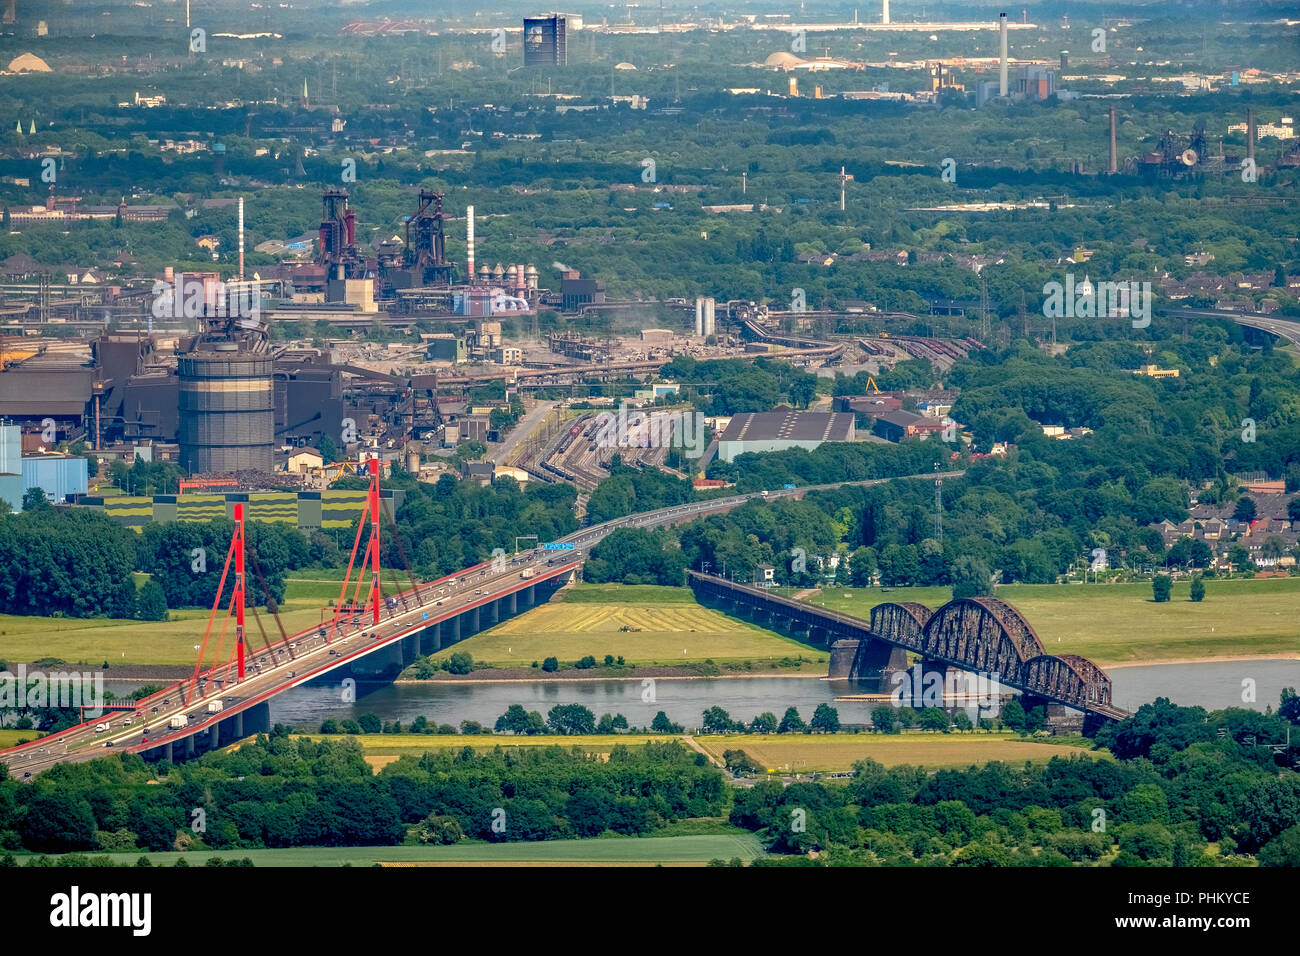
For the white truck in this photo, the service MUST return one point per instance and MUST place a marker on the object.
(215, 706)
(179, 721)
(527, 572)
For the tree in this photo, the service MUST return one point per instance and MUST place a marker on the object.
(715, 721)
(461, 662)
(791, 722)
(862, 567)
(934, 718)
(1245, 509)
(884, 719)
(328, 450)
(550, 665)
(961, 720)
(1198, 589)
(764, 723)
(662, 725)
(1013, 715)
(1282, 850)
(970, 578)
(1161, 585)
(1293, 508)
(516, 720)
(439, 830)
(1290, 707)
(571, 719)
(35, 499)
(825, 719)
(151, 602)
(370, 724)
(56, 822)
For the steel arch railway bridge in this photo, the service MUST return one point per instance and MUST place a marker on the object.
(978, 635)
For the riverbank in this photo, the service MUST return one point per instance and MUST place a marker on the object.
(1196, 660)
(531, 676)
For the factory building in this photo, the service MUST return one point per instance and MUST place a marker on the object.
(778, 431)
(59, 476)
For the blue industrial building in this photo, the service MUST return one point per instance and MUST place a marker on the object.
(59, 476)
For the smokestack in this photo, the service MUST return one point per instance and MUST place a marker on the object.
(884, 11)
(1002, 54)
(1113, 166)
(241, 238)
(469, 239)
(1250, 133)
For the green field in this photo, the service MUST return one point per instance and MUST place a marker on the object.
(94, 640)
(10, 737)
(664, 626)
(805, 753)
(1120, 624)
(603, 851)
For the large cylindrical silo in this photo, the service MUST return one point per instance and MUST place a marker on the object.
(227, 412)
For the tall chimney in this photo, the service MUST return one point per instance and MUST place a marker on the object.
(469, 240)
(884, 11)
(241, 238)
(1250, 133)
(1002, 62)
(1113, 166)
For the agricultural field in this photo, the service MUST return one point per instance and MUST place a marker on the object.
(644, 624)
(805, 753)
(383, 749)
(124, 643)
(688, 850)
(1120, 624)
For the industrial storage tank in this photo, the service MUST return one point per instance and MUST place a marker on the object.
(227, 412)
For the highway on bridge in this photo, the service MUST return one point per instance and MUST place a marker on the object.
(308, 655)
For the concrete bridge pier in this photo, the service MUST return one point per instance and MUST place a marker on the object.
(491, 614)
(189, 746)
(451, 631)
(1061, 719)
(874, 665)
(430, 639)
(167, 751)
(387, 661)
(410, 649)
(819, 635)
(512, 603)
(841, 662)
(472, 619)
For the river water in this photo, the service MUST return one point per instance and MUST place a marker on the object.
(1210, 685)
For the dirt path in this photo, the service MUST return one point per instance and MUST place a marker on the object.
(805, 593)
(690, 742)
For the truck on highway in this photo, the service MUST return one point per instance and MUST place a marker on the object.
(215, 707)
(179, 721)
(527, 572)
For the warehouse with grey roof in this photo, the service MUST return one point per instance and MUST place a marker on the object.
(777, 431)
